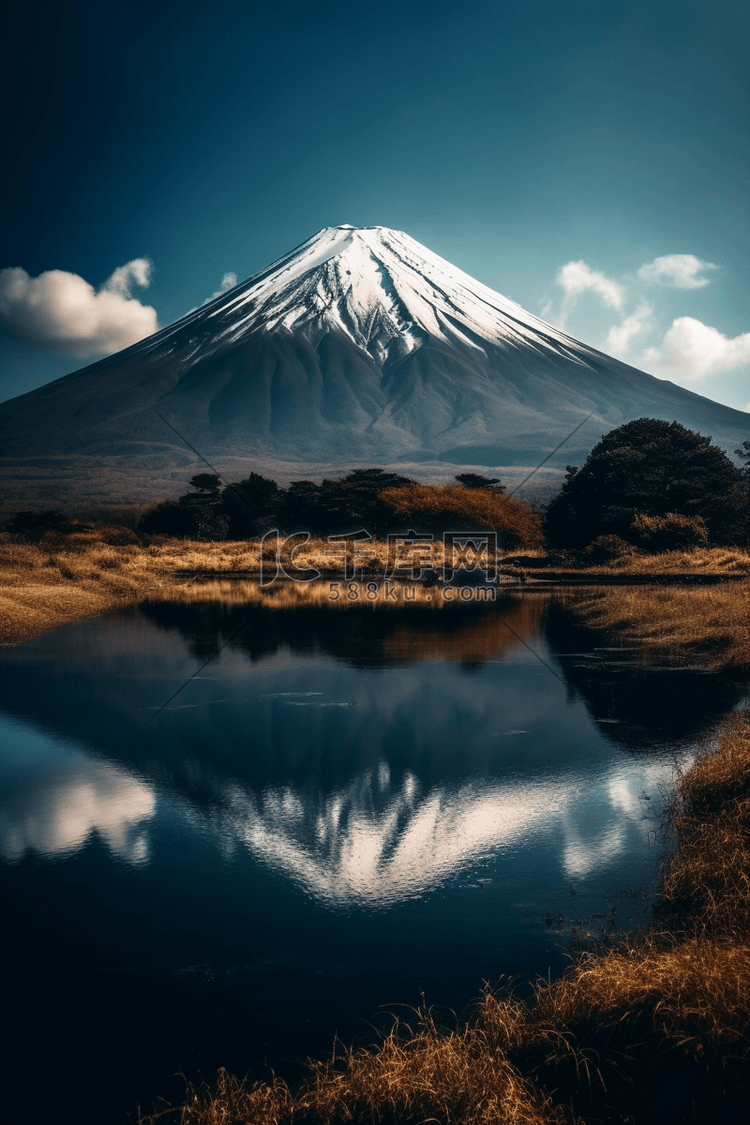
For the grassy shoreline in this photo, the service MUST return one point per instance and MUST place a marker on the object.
(61, 577)
(705, 625)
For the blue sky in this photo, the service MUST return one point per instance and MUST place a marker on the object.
(587, 158)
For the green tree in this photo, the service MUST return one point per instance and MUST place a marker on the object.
(647, 468)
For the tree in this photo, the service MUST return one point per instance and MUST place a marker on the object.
(476, 480)
(251, 505)
(195, 515)
(206, 482)
(299, 506)
(170, 517)
(343, 504)
(357, 499)
(649, 468)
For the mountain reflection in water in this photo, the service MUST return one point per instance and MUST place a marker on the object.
(374, 844)
(341, 808)
(300, 777)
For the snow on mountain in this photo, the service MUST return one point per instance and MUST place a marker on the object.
(359, 347)
(379, 288)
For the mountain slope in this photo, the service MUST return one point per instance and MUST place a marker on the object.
(360, 346)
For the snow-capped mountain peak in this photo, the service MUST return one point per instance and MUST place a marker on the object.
(360, 346)
(379, 287)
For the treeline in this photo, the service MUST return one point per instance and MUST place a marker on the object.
(375, 500)
(648, 486)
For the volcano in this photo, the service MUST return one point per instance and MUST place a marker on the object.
(360, 347)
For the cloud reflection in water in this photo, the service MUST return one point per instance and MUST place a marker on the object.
(58, 797)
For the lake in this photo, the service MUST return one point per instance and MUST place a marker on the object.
(230, 832)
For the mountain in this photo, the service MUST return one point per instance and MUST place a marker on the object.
(359, 347)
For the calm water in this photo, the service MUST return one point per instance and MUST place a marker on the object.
(344, 809)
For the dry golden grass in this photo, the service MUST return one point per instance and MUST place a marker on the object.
(60, 577)
(721, 775)
(453, 507)
(424, 1074)
(694, 995)
(707, 882)
(696, 561)
(228, 1101)
(415, 1076)
(708, 623)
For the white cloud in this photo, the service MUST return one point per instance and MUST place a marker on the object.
(678, 270)
(620, 335)
(691, 350)
(577, 278)
(62, 311)
(137, 272)
(228, 281)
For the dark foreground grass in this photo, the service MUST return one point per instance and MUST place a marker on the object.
(654, 1030)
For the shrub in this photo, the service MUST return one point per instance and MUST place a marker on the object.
(476, 480)
(671, 532)
(35, 524)
(206, 482)
(190, 517)
(607, 548)
(440, 508)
